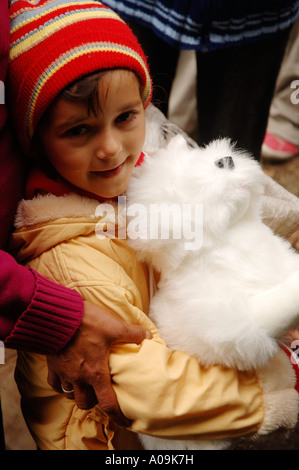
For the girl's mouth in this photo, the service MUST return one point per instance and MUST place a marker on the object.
(111, 173)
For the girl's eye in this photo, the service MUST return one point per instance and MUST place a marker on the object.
(77, 131)
(126, 117)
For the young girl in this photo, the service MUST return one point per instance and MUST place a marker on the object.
(79, 89)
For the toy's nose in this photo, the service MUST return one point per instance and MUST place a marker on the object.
(225, 162)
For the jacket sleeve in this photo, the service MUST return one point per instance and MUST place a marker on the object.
(36, 314)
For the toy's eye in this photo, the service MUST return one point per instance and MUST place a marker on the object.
(225, 162)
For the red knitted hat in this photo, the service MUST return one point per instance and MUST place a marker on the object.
(54, 43)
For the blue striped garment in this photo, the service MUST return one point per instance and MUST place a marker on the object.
(209, 24)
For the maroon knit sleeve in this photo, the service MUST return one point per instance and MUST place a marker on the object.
(36, 314)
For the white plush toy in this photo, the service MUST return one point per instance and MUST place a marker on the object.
(229, 287)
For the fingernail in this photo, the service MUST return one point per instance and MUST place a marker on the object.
(148, 334)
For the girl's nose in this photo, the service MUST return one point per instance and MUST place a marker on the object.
(108, 145)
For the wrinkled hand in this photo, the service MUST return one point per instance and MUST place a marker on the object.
(82, 366)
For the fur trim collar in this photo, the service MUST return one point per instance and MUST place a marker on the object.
(44, 208)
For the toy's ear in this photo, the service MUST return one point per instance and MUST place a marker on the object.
(177, 142)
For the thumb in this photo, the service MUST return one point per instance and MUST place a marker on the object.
(132, 334)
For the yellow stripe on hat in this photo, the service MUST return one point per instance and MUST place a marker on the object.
(32, 14)
(45, 31)
(73, 54)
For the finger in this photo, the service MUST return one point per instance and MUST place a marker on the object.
(117, 417)
(108, 403)
(132, 334)
(54, 380)
(114, 413)
(85, 396)
(67, 389)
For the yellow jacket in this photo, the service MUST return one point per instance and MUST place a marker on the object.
(164, 393)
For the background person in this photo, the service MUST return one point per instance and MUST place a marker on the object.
(236, 66)
(282, 137)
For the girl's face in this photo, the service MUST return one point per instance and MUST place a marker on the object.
(97, 152)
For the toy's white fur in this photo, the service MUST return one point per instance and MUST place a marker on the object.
(231, 300)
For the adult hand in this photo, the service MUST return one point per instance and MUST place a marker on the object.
(82, 366)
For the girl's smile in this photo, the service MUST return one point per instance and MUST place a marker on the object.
(97, 151)
(109, 173)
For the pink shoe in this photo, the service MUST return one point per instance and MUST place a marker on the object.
(276, 148)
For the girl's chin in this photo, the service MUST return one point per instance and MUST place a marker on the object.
(110, 194)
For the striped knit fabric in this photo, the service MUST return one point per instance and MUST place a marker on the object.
(56, 42)
(209, 24)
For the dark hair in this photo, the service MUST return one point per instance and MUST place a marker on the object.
(85, 89)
